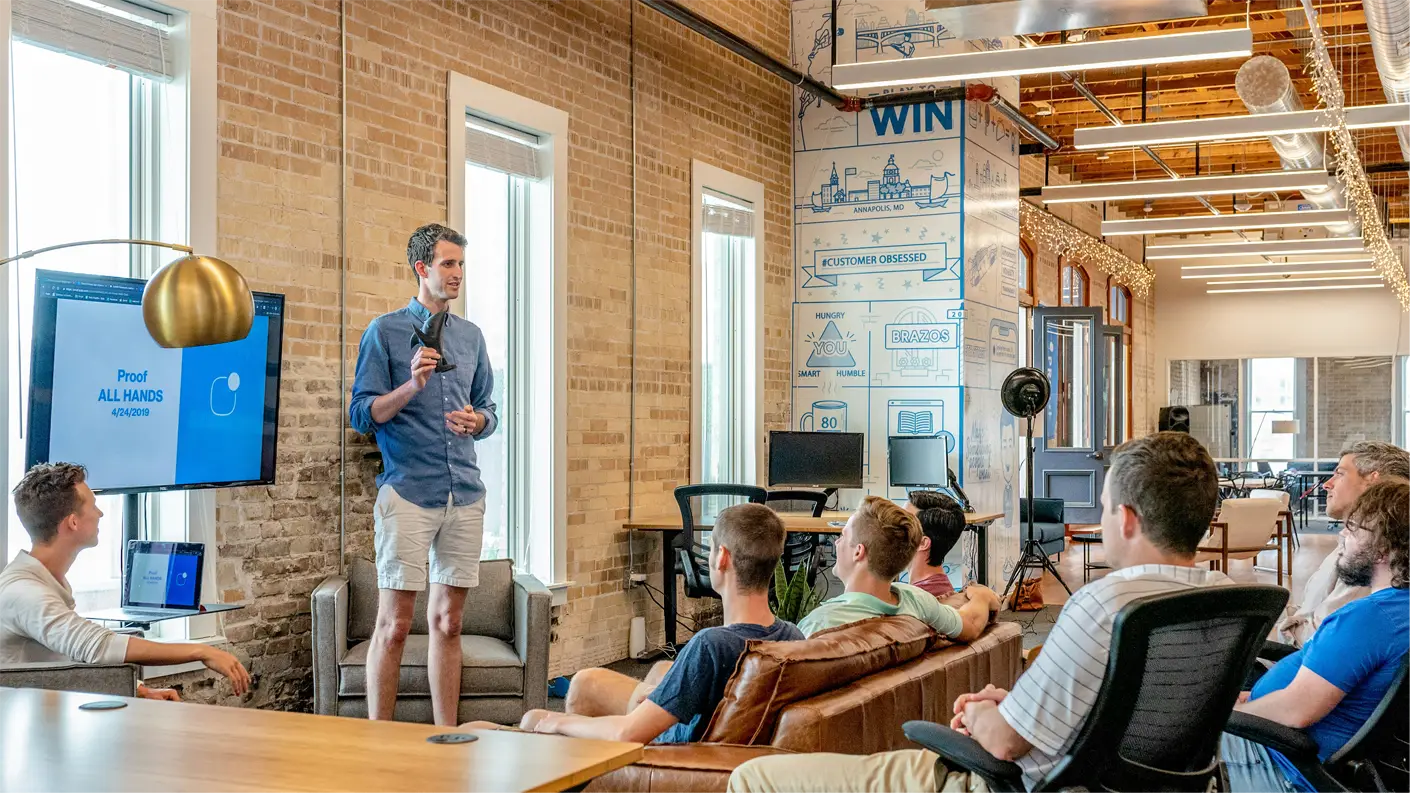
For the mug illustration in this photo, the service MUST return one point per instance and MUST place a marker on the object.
(827, 415)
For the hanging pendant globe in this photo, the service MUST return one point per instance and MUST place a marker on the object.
(195, 301)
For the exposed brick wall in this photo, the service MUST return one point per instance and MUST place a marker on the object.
(278, 190)
(1354, 402)
(1145, 397)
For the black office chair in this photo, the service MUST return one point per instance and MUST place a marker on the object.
(705, 501)
(1377, 758)
(1176, 667)
(800, 549)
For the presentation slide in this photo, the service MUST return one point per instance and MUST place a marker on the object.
(141, 416)
(163, 578)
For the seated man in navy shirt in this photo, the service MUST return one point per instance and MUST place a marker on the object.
(745, 546)
(1332, 685)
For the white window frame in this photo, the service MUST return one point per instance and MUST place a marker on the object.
(705, 176)
(541, 456)
(195, 42)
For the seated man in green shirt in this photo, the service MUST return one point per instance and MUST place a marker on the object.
(875, 546)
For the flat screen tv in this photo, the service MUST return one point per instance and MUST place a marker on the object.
(140, 417)
(815, 459)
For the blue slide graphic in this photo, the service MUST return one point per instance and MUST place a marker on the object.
(221, 421)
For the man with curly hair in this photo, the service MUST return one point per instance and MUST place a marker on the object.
(1333, 684)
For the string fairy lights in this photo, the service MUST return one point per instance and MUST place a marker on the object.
(1056, 234)
(1350, 172)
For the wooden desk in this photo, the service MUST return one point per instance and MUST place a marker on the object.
(52, 745)
(793, 523)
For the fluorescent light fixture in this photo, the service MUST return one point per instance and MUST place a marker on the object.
(1221, 128)
(1249, 265)
(1212, 276)
(1301, 280)
(1207, 250)
(1292, 288)
(1276, 181)
(1174, 48)
(1243, 220)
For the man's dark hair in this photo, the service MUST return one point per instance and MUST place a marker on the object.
(754, 535)
(943, 525)
(422, 245)
(928, 499)
(46, 495)
(1384, 511)
(1170, 481)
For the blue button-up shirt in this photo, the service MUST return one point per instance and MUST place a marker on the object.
(423, 460)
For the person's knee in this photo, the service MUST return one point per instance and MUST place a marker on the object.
(746, 777)
(583, 688)
(393, 625)
(444, 619)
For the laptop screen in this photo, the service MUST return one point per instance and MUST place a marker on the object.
(164, 574)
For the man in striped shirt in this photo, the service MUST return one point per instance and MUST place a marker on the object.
(1157, 504)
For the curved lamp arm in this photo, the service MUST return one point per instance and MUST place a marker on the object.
(37, 251)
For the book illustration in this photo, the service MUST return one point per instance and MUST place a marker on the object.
(915, 422)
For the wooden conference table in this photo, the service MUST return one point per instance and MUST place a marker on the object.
(669, 524)
(50, 744)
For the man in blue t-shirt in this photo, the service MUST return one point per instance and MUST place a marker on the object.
(1333, 684)
(745, 545)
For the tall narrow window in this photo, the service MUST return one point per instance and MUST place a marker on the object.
(1074, 287)
(1405, 402)
(1027, 261)
(500, 169)
(99, 152)
(1271, 398)
(727, 287)
(507, 193)
(1119, 305)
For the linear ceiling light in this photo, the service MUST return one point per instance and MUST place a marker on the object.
(1292, 288)
(1220, 128)
(1290, 280)
(1281, 276)
(1277, 181)
(1249, 265)
(1174, 48)
(1207, 250)
(1243, 220)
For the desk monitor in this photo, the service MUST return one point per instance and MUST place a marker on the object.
(163, 575)
(918, 461)
(815, 459)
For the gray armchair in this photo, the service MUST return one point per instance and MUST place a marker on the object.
(504, 638)
(119, 680)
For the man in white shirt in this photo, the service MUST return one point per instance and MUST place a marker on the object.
(1158, 502)
(1360, 466)
(37, 617)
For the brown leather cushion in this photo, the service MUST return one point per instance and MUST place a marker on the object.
(685, 768)
(772, 675)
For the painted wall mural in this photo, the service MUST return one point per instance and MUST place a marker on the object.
(906, 266)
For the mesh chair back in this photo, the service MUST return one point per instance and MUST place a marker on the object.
(803, 502)
(799, 549)
(1378, 756)
(1176, 666)
(699, 504)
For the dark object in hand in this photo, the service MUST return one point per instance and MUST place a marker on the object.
(429, 335)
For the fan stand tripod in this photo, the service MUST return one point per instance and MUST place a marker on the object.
(1032, 555)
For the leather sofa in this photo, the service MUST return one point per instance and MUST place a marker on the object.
(1049, 528)
(848, 690)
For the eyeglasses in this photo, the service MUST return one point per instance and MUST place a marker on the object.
(1354, 526)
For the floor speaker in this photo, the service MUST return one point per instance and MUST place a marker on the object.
(1175, 418)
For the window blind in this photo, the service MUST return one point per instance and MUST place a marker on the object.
(501, 147)
(128, 36)
(721, 214)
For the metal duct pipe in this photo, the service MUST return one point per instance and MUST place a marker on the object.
(1264, 85)
(1388, 22)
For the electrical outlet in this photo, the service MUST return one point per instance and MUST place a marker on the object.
(638, 578)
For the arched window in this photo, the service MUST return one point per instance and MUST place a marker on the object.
(1075, 287)
(1119, 305)
(1027, 264)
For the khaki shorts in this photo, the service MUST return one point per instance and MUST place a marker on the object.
(408, 537)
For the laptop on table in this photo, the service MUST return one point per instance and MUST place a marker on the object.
(161, 580)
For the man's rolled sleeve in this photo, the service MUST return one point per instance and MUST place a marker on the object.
(372, 379)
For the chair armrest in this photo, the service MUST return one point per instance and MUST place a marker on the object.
(1293, 743)
(330, 641)
(119, 680)
(964, 753)
(532, 629)
(1276, 651)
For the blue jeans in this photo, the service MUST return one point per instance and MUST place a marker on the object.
(1250, 768)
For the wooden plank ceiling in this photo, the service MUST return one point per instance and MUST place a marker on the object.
(1206, 89)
